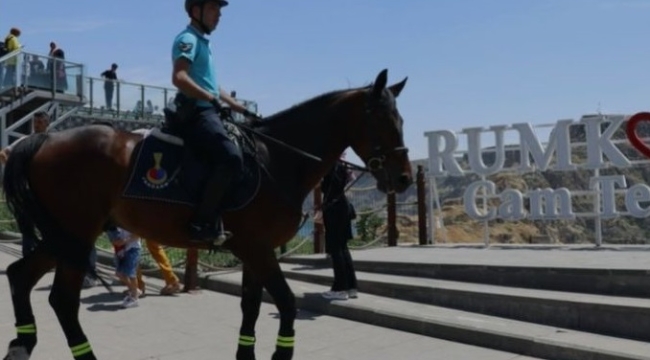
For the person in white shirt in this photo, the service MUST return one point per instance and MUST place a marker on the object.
(40, 122)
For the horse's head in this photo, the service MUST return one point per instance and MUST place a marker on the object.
(380, 143)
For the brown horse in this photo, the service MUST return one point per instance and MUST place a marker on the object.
(70, 184)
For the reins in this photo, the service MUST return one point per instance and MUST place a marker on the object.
(274, 140)
(249, 129)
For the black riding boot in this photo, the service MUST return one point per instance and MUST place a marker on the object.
(204, 226)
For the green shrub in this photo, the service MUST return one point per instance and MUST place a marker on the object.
(368, 225)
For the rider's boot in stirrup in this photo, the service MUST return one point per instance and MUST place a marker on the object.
(204, 224)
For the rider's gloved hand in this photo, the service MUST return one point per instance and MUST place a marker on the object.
(224, 112)
(215, 102)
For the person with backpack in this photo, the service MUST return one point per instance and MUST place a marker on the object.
(337, 214)
(11, 44)
(3, 52)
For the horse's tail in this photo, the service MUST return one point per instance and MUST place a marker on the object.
(20, 200)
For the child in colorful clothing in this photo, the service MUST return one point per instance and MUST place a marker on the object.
(127, 256)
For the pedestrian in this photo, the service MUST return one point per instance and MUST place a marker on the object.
(172, 284)
(127, 256)
(56, 68)
(337, 215)
(110, 78)
(11, 44)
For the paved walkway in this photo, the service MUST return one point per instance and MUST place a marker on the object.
(205, 327)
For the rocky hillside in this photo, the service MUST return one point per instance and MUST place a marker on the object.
(452, 225)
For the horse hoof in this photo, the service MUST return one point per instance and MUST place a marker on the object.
(245, 353)
(17, 353)
(282, 354)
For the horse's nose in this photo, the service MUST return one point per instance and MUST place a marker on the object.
(405, 180)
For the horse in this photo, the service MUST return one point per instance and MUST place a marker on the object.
(70, 184)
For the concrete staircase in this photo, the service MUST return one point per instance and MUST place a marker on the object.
(551, 312)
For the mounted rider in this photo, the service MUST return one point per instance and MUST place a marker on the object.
(198, 104)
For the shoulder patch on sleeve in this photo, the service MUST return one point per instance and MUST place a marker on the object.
(185, 46)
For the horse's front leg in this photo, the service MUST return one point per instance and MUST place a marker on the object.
(285, 301)
(64, 299)
(251, 300)
(23, 275)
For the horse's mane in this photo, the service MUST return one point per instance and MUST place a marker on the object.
(301, 109)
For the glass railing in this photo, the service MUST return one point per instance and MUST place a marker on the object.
(26, 70)
(100, 97)
(133, 101)
(126, 100)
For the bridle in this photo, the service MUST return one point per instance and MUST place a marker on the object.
(379, 155)
(374, 164)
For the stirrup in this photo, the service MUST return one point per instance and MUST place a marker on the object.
(222, 238)
(209, 234)
(203, 233)
(223, 234)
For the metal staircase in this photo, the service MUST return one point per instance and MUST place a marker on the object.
(25, 88)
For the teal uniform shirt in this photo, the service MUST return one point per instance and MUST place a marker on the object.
(195, 47)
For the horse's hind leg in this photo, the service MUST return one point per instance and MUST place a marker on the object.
(64, 299)
(23, 276)
(251, 300)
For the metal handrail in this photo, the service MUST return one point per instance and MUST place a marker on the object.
(122, 82)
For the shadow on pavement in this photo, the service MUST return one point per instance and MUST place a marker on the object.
(301, 315)
(101, 298)
(105, 307)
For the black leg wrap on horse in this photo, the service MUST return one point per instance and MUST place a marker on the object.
(251, 299)
(25, 322)
(81, 349)
(285, 301)
(26, 336)
(244, 351)
(284, 346)
(88, 356)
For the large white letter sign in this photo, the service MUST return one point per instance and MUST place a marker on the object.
(439, 157)
(559, 141)
(475, 152)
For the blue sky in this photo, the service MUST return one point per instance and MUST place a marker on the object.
(469, 62)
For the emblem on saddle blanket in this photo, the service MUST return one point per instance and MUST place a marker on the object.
(164, 170)
(156, 177)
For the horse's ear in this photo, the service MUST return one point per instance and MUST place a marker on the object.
(380, 83)
(397, 88)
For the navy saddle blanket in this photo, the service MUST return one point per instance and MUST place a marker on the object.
(162, 169)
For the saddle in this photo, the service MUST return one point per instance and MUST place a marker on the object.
(163, 169)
